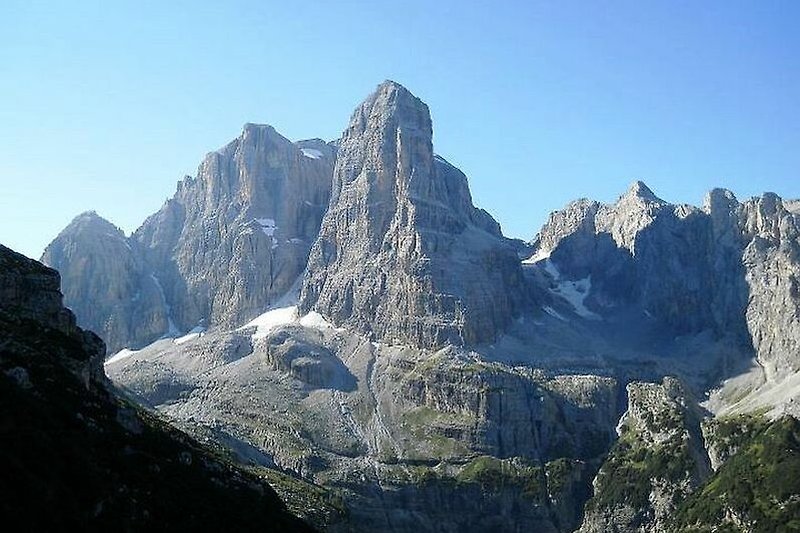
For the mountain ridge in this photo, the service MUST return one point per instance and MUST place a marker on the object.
(427, 358)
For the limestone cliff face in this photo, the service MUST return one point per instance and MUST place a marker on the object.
(730, 268)
(235, 238)
(231, 241)
(772, 261)
(107, 282)
(402, 253)
(644, 252)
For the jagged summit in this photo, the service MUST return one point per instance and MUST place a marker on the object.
(391, 86)
(403, 254)
(90, 220)
(639, 190)
(718, 201)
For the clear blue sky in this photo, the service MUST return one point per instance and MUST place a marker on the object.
(106, 107)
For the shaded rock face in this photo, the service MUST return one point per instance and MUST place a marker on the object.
(28, 290)
(730, 268)
(107, 282)
(232, 240)
(30, 299)
(76, 457)
(402, 253)
(643, 252)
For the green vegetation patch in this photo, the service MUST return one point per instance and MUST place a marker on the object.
(628, 473)
(759, 484)
(494, 474)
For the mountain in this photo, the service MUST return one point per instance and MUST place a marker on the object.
(729, 269)
(78, 456)
(402, 253)
(107, 282)
(614, 374)
(231, 241)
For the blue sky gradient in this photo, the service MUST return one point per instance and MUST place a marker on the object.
(106, 107)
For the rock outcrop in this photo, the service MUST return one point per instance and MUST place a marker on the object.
(730, 268)
(402, 254)
(658, 460)
(771, 259)
(235, 238)
(77, 457)
(231, 241)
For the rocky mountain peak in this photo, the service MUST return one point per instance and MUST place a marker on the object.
(390, 104)
(640, 192)
(718, 199)
(91, 222)
(402, 252)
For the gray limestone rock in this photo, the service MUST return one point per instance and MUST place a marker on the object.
(402, 253)
(235, 238)
(231, 241)
(107, 282)
(659, 459)
(729, 268)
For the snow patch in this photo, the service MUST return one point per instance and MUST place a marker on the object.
(120, 355)
(317, 321)
(575, 293)
(267, 322)
(540, 255)
(268, 227)
(311, 153)
(193, 333)
(275, 318)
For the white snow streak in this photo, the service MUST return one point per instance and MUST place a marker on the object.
(193, 333)
(120, 355)
(172, 328)
(273, 319)
(540, 255)
(552, 312)
(311, 153)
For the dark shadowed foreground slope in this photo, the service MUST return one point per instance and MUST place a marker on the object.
(75, 457)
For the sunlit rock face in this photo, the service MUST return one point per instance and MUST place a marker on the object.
(229, 243)
(402, 254)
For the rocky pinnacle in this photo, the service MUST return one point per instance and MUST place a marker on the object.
(402, 253)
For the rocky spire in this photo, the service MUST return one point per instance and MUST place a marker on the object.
(402, 252)
(640, 191)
